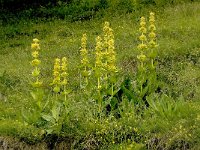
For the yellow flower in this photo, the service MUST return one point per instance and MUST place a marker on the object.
(84, 61)
(111, 44)
(35, 54)
(64, 59)
(57, 60)
(109, 47)
(141, 57)
(57, 65)
(85, 73)
(152, 13)
(56, 89)
(37, 84)
(56, 73)
(84, 52)
(143, 37)
(64, 74)
(106, 26)
(142, 46)
(35, 72)
(64, 64)
(152, 35)
(84, 41)
(35, 40)
(35, 62)
(64, 82)
(153, 44)
(142, 19)
(152, 18)
(143, 29)
(142, 24)
(152, 27)
(135, 129)
(56, 80)
(112, 68)
(35, 46)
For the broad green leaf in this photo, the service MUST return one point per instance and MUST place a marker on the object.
(48, 118)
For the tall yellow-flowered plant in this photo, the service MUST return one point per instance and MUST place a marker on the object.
(143, 39)
(106, 38)
(98, 61)
(36, 62)
(146, 75)
(152, 39)
(57, 77)
(108, 46)
(109, 53)
(111, 60)
(84, 60)
(64, 76)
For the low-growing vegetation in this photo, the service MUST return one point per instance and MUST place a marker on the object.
(127, 81)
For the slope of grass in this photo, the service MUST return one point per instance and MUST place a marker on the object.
(178, 70)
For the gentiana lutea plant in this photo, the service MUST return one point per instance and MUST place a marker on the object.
(37, 92)
(64, 78)
(84, 69)
(109, 57)
(33, 115)
(105, 66)
(59, 106)
(146, 73)
(98, 62)
(98, 68)
(35, 63)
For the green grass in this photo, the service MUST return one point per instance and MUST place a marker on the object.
(178, 71)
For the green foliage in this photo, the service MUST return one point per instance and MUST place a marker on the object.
(21, 130)
(74, 10)
(7, 82)
(170, 124)
(166, 107)
(54, 119)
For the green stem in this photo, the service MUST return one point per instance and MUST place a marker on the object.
(142, 64)
(98, 83)
(100, 107)
(112, 90)
(106, 62)
(65, 93)
(86, 78)
(152, 63)
(106, 80)
(56, 96)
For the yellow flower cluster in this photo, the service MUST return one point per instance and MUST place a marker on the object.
(152, 39)
(64, 74)
(143, 31)
(36, 62)
(99, 53)
(56, 74)
(142, 46)
(60, 75)
(98, 62)
(84, 58)
(109, 46)
(152, 28)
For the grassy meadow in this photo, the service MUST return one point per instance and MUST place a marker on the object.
(168, 117)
